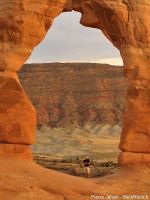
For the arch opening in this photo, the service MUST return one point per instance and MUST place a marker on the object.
(80, 99)
(20, 36)
(69, 41)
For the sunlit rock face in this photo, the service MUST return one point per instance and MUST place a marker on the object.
(126, 25)
(23, 25)
(17, 118)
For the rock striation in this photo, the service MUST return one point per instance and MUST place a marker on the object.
(18, 36)
(75, 94)
(17, 118)
(126, 25)
(23, 25)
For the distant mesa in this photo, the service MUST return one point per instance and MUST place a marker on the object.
(75, 94)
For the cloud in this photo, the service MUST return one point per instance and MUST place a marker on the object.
(68, 41)
(112, 61)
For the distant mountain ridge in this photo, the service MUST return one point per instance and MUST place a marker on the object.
(75, 94)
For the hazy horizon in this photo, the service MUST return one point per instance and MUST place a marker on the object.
(69, 41)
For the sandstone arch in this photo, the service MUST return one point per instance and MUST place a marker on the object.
(23, 25)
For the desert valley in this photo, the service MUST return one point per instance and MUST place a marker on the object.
(79, 110)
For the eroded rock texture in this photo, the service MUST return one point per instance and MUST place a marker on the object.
(23, 25)
(75, 94)
(31, 181)
(126, 25)
(17, 117)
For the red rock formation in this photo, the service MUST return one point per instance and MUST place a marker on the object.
(124, 23)
(17, 117)
(18, 36)
(17, 151)
(70, 94)
(31, 181)
(23, 25)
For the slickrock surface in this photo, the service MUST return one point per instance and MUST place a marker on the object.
(75, 94)
(32, 182)
(23, 25)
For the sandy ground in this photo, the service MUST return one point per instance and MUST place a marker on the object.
(75, 167)
(100, 142)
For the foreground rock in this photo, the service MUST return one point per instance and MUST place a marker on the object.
(17, 118)
(14, 104)
(30, 181)
(23, 25)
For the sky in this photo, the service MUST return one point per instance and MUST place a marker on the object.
(69, 41)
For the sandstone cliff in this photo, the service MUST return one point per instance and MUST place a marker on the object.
(75, 94)
(23, 25)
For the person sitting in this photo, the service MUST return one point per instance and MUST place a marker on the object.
(87, 165)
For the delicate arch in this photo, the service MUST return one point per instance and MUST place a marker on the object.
(24, 25)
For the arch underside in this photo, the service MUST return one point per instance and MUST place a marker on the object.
(24, 24)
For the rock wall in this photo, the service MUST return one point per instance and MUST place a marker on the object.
(73, 95)
(23, 25)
